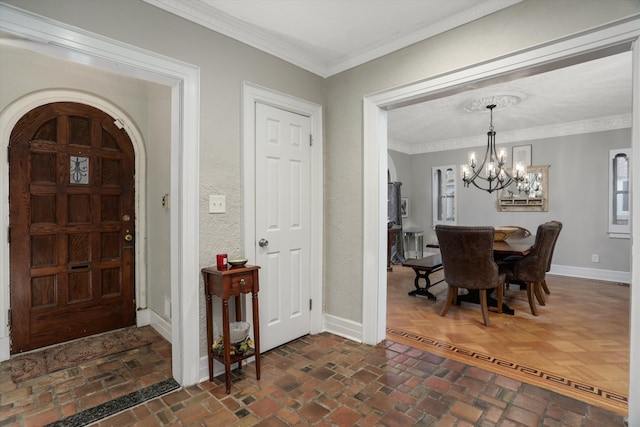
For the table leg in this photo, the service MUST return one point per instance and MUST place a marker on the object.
(238, 319)
(256, 332)
(227, 344)
(210, 337)
(423, 292)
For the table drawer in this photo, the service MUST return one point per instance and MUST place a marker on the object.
(241, 283)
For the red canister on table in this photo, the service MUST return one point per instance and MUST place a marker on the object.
(221, 260)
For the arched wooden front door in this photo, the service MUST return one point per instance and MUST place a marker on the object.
(71, 207)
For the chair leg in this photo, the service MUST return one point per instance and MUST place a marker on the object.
(450, 297)
(545, 287)
(531, 297)
(500, 297)
(537, 289)
(484, 307)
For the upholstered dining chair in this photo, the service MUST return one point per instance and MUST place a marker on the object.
(532, 268)
(467, 261)
(545, 288)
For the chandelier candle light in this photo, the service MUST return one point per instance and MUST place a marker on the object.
(496, 176)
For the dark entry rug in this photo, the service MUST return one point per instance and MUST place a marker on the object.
(51, 359)
(119, 404)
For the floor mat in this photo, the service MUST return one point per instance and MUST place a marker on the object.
(114, 406)
(37, 363)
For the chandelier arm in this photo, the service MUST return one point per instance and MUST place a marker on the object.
(490, 189)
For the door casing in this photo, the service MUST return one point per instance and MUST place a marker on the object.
(184, 80)
(253, 94)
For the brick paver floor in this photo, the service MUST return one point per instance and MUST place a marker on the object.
(325, 380)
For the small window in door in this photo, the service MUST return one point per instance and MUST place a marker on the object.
(79, 170)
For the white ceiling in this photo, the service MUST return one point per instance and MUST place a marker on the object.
(587, 97)
(329, 36)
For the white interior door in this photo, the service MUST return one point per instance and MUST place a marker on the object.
(283, 224)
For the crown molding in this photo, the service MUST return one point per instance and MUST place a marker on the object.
(541, 132)
(265, 41)
(378, 50)
(237, 29)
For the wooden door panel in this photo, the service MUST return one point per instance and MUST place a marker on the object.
(79, 286)
(71, 206)
(43, 292)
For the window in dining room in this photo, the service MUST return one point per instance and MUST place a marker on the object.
(619, 193)
(444, 195)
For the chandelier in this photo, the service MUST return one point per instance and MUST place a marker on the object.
(491, 175)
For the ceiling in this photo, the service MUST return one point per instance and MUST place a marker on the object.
(583, 98)
(329, 36)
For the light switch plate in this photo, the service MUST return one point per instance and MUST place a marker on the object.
(217, 204)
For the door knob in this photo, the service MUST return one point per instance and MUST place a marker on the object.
(128, 237)
(263, 243)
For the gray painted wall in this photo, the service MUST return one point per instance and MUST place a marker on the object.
(526, 24)
(578, 197)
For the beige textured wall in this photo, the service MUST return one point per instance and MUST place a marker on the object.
(524, 25)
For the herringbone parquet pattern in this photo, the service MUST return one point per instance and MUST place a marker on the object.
(578, 345)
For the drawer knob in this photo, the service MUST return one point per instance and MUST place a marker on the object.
(241, 282)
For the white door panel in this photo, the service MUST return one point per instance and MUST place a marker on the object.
(283, 219)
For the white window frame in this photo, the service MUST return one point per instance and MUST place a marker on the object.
(439, 192)
(618, 231)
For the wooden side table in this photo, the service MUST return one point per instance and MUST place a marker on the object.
(231, 282)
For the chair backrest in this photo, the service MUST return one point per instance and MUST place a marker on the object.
(553, 247)
(532, 267)
(467, 256)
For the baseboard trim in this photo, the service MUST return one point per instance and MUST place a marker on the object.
(160, 324)
(143, 317)
(591, 273)
(5, 348)
(343, 327)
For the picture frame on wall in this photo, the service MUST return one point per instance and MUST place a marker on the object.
(522, 154)
(404, 207)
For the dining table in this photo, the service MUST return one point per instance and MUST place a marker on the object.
(512, 247)
(518, 246)
(432, 262)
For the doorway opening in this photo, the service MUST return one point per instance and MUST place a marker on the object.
(73, 221)
(578, 49)
(59, 39)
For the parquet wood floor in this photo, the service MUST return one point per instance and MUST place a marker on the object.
(577, 346)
